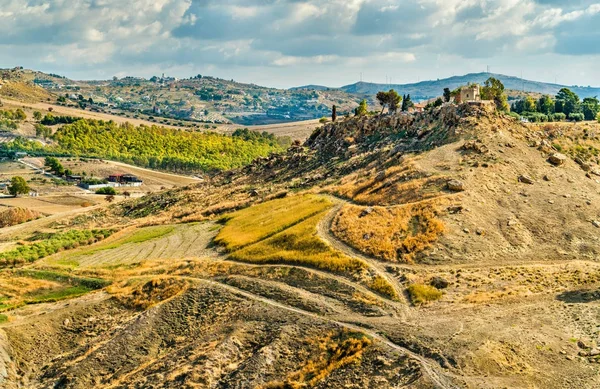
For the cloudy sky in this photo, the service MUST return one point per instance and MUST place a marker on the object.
(287, 43)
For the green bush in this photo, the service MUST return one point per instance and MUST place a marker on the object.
(576, 117)
(108, 190)
(559, 117)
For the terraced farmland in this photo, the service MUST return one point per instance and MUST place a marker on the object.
(148, 243)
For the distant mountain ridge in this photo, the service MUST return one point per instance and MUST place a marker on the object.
(428, 89)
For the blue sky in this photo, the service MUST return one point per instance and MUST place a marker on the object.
(286, 43)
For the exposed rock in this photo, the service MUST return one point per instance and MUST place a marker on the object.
(596, 223)
(546, 178)
(594, 352)
(439, 282)
(480, 231)
(581, 344)
(557, 159)
(525, 179)
(380, 176)
(366, 211)
(456, 186)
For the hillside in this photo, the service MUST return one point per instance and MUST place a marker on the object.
(428, 89)
(196, 99)
(456, 248)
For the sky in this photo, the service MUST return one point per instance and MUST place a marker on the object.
(285, 43)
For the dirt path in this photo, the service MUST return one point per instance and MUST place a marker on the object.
(439, 379)
(324, 232)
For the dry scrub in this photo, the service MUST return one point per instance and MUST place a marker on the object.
(14, 216)
(335, 351)
(136, 295)
(399, 184)
(394, 234)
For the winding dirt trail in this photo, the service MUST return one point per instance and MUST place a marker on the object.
(440, 380)
(324, 232)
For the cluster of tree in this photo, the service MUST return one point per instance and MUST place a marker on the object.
(17, 114)
(256, 136)
(42, 131)
(493, 89)
(566, 104)
(153, 147)
(55, 166)
(50, 120)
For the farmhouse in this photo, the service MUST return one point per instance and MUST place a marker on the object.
(125, 180)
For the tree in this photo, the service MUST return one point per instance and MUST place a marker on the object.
(590, 107)
(361, 110)
(493, 89)
(545, 105)
(391, 99)
(407, 103)
(447, 95)
(333, 113)
(110, 198)
(18, 186)
(567, 102)
(126, 194)
(37, 115)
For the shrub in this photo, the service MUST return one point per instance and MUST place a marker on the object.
(323, 120)
(576, 117)
(559, 117)
(109, 190)
(420, 294)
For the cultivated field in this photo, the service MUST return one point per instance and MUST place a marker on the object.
(145, 244)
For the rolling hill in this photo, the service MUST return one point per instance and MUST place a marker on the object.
(428, 89)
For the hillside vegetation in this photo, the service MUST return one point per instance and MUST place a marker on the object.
(454, 248)
(154, 147)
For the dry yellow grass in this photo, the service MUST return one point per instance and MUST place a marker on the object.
(261, 221)
(299, 245)
(394, 234)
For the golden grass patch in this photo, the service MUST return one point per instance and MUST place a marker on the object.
(421, 294)
(393, 234)
(299, 245)
(263, 220)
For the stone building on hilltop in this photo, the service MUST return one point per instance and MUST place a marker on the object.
(470, 93)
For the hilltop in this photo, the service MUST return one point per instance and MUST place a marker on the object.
(452, 248)
(428, 89)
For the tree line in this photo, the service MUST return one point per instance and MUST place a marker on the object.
(151, 146)
(565, 105)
